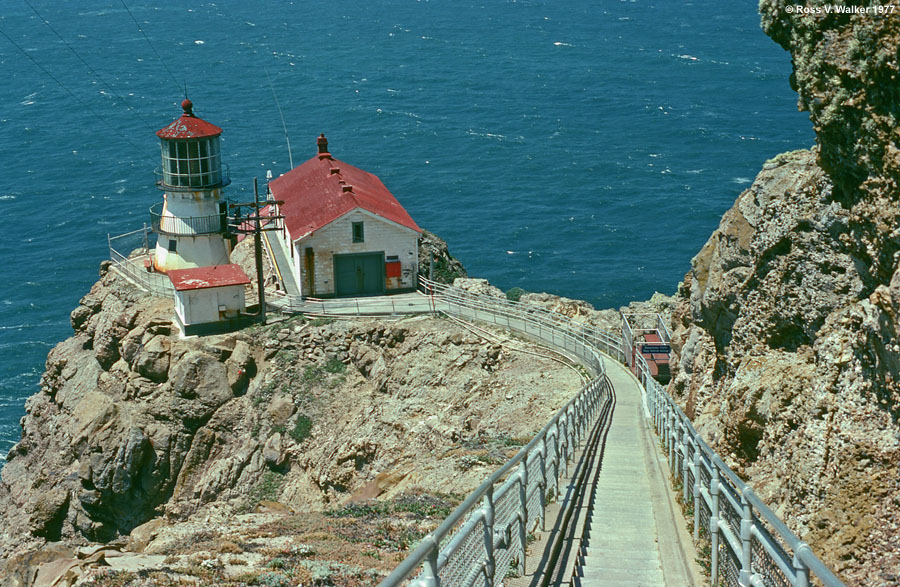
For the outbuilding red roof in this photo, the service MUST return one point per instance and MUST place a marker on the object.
(323, 189)
(188, 126)
(206, 277)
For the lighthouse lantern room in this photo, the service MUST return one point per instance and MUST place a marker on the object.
(191, 221)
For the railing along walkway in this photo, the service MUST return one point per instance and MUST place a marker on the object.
(750, 545)
(631, 534)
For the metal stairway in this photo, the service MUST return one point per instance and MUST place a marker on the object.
(622, 541)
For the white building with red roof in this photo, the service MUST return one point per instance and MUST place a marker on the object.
(210, 299)
(344, 233)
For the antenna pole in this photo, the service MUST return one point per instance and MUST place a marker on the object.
(283, 125)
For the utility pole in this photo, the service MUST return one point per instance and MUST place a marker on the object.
(256, 221)
(257, 245)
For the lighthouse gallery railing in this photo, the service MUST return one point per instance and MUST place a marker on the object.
(187, 226)
(749, 544)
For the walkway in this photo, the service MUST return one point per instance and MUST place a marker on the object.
(382, 306)
(282, 265)
(635, 535)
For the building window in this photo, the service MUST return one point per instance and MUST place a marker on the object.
(172, 244)
(359, 234)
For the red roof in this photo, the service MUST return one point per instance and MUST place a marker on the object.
(205, 277)
(188, 126)
(323, 189)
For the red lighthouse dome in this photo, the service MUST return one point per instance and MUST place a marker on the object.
(188, 126)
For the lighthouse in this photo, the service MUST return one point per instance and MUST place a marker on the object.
(190, 222)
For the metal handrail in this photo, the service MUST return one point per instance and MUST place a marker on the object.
(679, 437)
(187, 226)
(687, 453)
(489, 529)
(131, 266)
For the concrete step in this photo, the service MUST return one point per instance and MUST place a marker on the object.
(624, 577)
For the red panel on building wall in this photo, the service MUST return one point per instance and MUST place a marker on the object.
(392, 269)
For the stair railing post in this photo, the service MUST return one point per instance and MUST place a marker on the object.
(573, 440)
(684, 464)
(430, 576)
(490, 567)
(800, 568)
(556, 463)
(657, 414)
(543, 455)
(746, 534)
(673, 439)
(579, 417)
(714, 526)
(696, 492)
(523, 511)
(561, 442)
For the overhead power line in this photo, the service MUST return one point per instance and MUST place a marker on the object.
(68, 91)
(177, 85)
(91, 70)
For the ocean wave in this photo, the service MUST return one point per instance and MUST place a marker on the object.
(7, 197)
(498, 137)
(16, 326)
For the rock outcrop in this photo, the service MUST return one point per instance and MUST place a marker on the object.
(189, 448)
(446, 267)
(788, 325)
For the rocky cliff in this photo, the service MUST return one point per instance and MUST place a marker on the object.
(788, 324)
(236, 456)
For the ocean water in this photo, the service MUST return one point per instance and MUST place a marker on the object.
(585, 148)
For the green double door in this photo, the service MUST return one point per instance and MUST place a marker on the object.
(359, 274)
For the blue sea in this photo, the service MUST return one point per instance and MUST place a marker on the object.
(585, 148)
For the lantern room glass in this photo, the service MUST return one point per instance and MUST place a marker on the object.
(194, 163)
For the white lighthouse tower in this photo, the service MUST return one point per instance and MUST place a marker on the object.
(190, 222)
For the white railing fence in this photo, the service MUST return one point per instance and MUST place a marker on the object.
(485, 537)
(130, 264)
(749, 544)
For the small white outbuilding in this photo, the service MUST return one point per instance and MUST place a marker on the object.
(210, 299)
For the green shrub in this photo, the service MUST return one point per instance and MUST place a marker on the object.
(334, 365)
(312, 375)
(515, 294)
(267, 489)
(301, 429)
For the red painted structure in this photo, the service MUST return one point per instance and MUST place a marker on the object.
(206, 277)
(188, 126)
(657, 362)
(323, 189)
